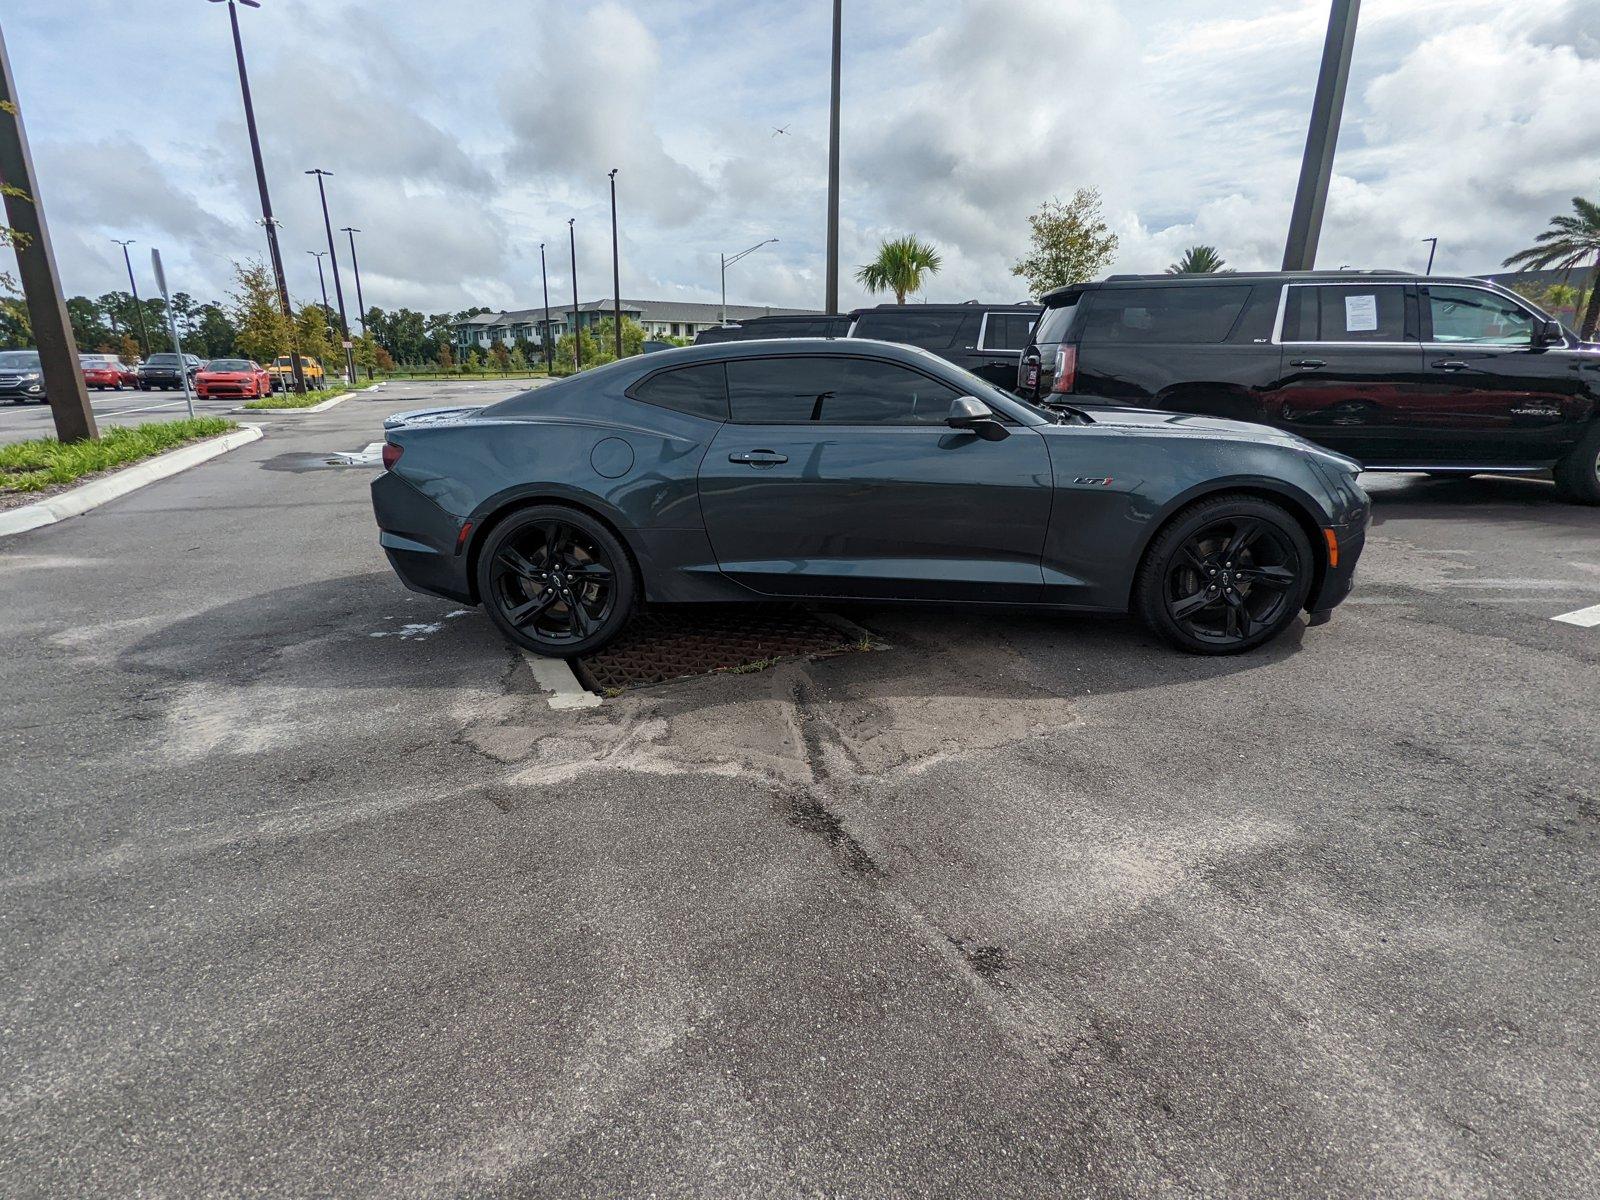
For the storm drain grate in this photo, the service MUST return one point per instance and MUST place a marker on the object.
(667, 644)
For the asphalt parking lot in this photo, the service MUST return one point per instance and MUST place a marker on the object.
(310, 890)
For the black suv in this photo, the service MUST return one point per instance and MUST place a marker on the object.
(166, 371)
(986, 339)
(1401, 372)
(788, 326)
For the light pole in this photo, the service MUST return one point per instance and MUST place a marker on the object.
(355, 265)
(1433, 245)
(832, 298)
(267, 220)
(577, 339)
(338, 288)
(549, 351)
(1316, 168)
(322, 281)
(728, 262)
(138, 309)
(616, 270)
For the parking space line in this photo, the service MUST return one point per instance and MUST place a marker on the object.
(555, 676)
(142, 408)
(1586, 618)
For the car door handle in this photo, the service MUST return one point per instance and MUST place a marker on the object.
(758, 458)
(1308, 362)
(1452, 364)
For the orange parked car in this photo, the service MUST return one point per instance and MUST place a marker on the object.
(228, 377)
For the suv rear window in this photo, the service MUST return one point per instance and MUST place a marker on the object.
(1172, 315)
(699, 391)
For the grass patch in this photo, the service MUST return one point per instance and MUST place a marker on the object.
(45, 463)
(296, 400)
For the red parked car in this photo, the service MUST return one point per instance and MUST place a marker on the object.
(232, 377)
(107, 371)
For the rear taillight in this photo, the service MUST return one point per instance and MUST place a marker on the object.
(1066, 369)
(391, 455)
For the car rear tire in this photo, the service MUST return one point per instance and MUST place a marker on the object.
(1225, 575)
(1578, 474)
(556, 581)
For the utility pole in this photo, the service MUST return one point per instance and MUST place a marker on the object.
(831, 301)
(1433, 244)
(728, 262)
(616, 270)
(1316, 168)
(549, 350)
(267, 220)
(577, 339)
(138, 309)
(36, 265)
(355, 265)
(322, 281)
(338, 288)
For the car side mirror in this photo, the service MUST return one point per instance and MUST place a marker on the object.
(1548, 333)
(973, 415)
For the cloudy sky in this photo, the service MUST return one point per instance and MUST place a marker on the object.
(459, 142)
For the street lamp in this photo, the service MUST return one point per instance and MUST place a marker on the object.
(338, 288)
(138, 309)
(616, 271)
(355, 265)
(261, 179)
(322, 280)
(728, 262)
(832, 297)
(549, 351)
(577, 340)
(1433, 244)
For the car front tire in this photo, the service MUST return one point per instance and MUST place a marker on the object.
(556, 581)
(1226, 575)
(1578, 474)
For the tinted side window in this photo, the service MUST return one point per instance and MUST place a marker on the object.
(834, 391)
(699, 391)
(1470, 315)
(1182, 315)
(930, 330)
(1007, 331)
(1346, 312)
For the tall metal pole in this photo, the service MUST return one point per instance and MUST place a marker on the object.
(1433, 245)
(723, 258)
(549, 349)
(1316, 168)
(577, 339)
(832, 298)
(267, 220)
(322, 281)
(616, 270)
(36, 266)
(355, 265)
(172, 329)
(338, 288)
(138, 309)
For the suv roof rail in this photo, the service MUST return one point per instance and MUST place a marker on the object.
(1167, 276)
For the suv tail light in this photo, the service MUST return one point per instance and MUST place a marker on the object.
(391, 455)
(1066, 368)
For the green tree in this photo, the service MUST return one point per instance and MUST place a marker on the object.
(214, 334)
(592, 352)
(600, 345)
(89, 326)
(474, 362)
(365, 351)
(1569, 242)
(313, 338)
(128, 349)
(263, 333)
(518, 360)
(444, 357)
(1071, 243)
(500, 356)
(901, 267)
(1198, 260)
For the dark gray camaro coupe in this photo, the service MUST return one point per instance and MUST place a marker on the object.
(821, 469)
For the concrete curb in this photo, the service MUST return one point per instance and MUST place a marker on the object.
(315, 408)
(120, 483)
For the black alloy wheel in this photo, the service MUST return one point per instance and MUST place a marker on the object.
(556, 581)
(1578, 474)
(1225, 576)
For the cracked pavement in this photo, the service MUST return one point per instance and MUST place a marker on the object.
(1018, 904)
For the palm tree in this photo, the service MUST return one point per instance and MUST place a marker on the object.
(1568, 243)
(900, 267)
(1198, 260)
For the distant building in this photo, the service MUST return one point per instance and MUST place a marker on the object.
(660, 319)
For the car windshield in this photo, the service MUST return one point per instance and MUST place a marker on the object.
(228, 364)
(163, 360)
(19, 358)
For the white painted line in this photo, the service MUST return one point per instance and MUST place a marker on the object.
(1586, 618)
(555, 676)
(120, 483)
(142, 408)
